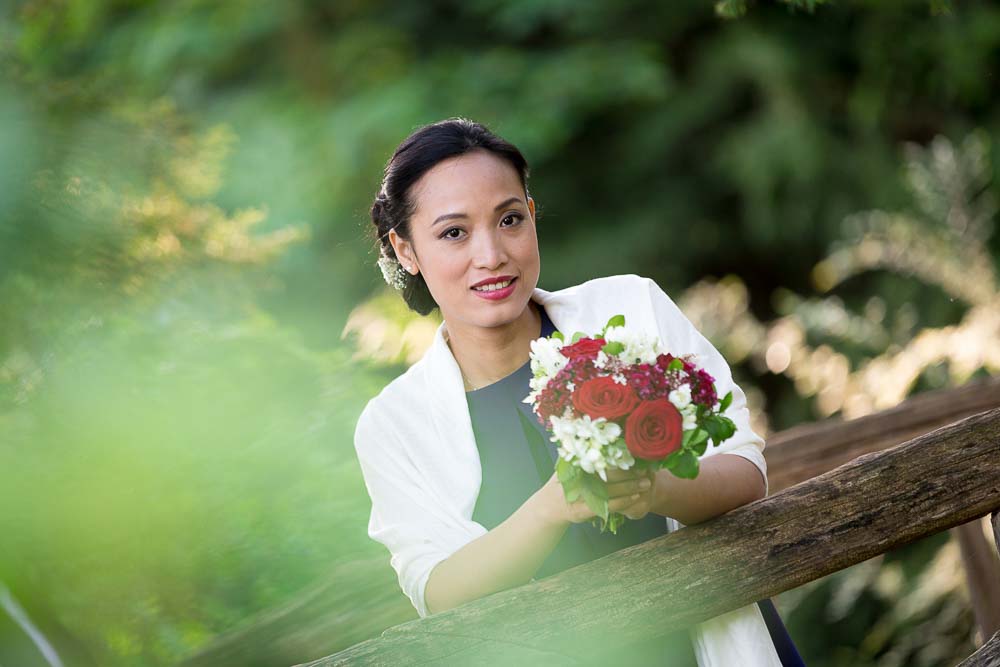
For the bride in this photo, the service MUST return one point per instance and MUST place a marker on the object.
(459, 471)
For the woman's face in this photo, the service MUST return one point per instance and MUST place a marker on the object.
(472, 224)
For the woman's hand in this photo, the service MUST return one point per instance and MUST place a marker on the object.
(625, 489)
(642, 505)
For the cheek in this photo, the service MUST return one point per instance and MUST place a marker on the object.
(527, 249)
(448, 268)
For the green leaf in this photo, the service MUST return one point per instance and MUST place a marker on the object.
(569, 477)
(616, 321)
(611, 349)
(713, 428)
(566, 471)
(726, 402)
(700, 448)
(595, 494)
(699, 442)
(559, 335)
(578, 335)
(719, 427)
(675, 365)
(728, 427)
(685, 465)
(686, 438)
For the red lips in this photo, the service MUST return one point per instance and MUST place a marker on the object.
(490, 281)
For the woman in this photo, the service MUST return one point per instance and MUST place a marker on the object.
(459, 471)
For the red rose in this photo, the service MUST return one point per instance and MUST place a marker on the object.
(654, 429)
(603, 397)
(585, 347)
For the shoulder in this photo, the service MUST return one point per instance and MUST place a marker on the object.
(617, 281)
(392, 408)
(623, 289)
(623, 284)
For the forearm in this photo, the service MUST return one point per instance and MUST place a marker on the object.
(507, 556)
(725, 482)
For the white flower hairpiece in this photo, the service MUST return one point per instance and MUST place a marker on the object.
(393, 272)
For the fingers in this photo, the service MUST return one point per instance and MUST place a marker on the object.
(621, 502)
(628, 487)
(624, 488)
(580, 511)
(616, 475)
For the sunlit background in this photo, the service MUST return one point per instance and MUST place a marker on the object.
(191, 317)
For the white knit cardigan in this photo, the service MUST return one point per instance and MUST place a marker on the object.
(418, 455)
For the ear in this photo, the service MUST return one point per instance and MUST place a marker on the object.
(404, 252)
(531, 208)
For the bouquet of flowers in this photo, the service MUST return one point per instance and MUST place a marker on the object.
(619, 399)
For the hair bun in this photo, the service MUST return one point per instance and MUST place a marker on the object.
(380, 218)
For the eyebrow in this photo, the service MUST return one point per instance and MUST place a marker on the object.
(505, 203)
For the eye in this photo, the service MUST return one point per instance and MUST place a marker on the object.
(448, 233)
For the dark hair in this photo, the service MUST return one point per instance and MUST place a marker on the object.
(425, 147)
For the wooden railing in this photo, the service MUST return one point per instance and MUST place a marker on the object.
(327, 616)
(875, 503)
(803, 452)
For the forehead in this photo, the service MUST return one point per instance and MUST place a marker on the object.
(463, 183)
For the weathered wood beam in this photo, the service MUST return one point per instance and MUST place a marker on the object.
(982, 575)
(812, 449)
(808, 450)
(866, 507)
(987, 656)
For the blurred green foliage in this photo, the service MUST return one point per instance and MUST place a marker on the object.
(184, 190)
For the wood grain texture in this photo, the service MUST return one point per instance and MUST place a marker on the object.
(875, 503)
(805, 451)
(982, 575)
(987, 656)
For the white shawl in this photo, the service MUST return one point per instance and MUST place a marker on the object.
(418, 455)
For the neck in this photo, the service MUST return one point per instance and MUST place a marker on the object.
(486, 355)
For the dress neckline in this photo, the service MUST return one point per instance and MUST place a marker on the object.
(497, 383)
(546, 330)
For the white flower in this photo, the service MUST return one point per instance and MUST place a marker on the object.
(680, 397)
(601, 359)
(583, 441)
(690, 422)
(689, 413)
(640, 348)
(539, 383)
(546, 359)
(619, 378)
(617, 455)
(600, 431)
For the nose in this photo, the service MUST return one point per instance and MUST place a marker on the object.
(490, 253)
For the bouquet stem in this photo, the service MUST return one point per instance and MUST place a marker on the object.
(615, 520)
